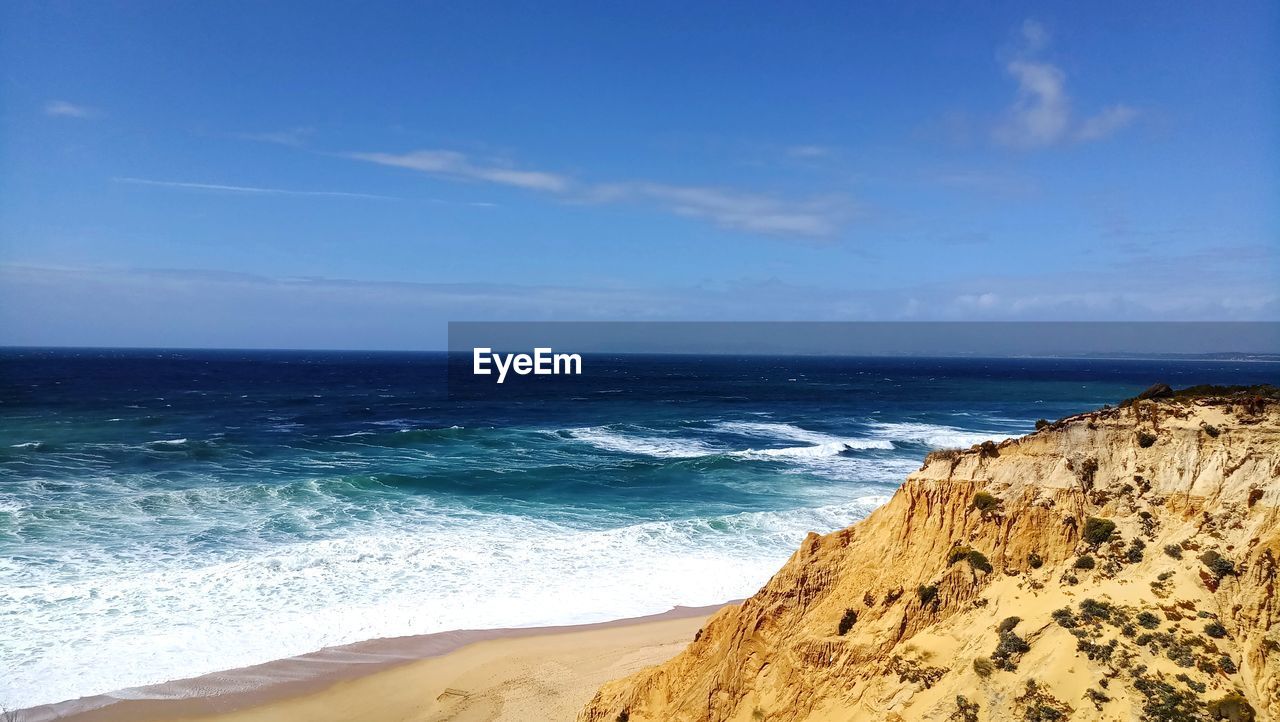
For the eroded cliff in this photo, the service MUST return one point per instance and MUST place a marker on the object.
(1116, 565)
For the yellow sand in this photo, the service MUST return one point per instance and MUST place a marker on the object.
(542, 677)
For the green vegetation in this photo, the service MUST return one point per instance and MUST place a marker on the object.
(1218, 564)
(910, 670)
(1146, 439)
(977, 560)
(1039, 706)
(1010, 647)
(1091, 610)
(1064, 618)
(1035, 561)
(966, 711)
(1097, 530)
(983, 666)
(1147, 620)
(928, 593)
(1211, 430)
(1134, 553)
(1246, 394)
(984, 502)
(1085, 562)
(1215, 630)
(1042, 424)
(1173, 550)
(1098, 698)
(847, 621)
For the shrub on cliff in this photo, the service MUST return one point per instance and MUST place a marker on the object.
(847, 621)
(1134, 553)
(1218, 564)
(1009, 648)
(1146, 439)
(984, 502)
(928, 594)
(1042, 424)
(1085, 562)
(966, 711)
(1097, 530)
(977, 560)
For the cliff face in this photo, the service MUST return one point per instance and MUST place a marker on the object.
(1116, 565)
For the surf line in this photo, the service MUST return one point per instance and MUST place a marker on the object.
(542, 362)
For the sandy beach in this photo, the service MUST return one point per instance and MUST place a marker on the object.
(546, 673)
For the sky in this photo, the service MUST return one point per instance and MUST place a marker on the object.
(325, 175)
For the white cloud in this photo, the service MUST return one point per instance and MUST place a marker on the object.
(294, 137)
(246, 189)
(1105, 122)
(63, 109)
(809, 151)
(1041, 114)
(754, 213)
(727, 208)
(456, 165)
(1034, 36)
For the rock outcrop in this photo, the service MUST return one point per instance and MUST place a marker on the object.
(1116, 565)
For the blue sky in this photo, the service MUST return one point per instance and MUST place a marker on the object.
(320, 175)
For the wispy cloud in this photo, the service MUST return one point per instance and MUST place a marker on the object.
(751, 212)
(727, 208)
(809, 151)
(452, 164)
(254, 190)
(294, 137)
(64, 109)
(1041, 115)
(1105, 122)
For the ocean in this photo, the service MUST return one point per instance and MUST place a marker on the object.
(165, 514)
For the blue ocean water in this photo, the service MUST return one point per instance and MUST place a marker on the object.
(165, 514)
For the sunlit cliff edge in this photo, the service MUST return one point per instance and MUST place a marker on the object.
(1116, 565)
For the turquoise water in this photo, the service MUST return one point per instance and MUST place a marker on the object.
(168, 514)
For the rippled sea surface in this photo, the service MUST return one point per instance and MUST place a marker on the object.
(167, 514)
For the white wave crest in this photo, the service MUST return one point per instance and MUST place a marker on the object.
(834, 448)
(788, 432)
(602, 437)
(938, 436)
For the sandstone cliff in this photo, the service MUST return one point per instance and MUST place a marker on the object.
(1116, 565)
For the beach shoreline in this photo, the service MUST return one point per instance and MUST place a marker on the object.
(484, 674)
